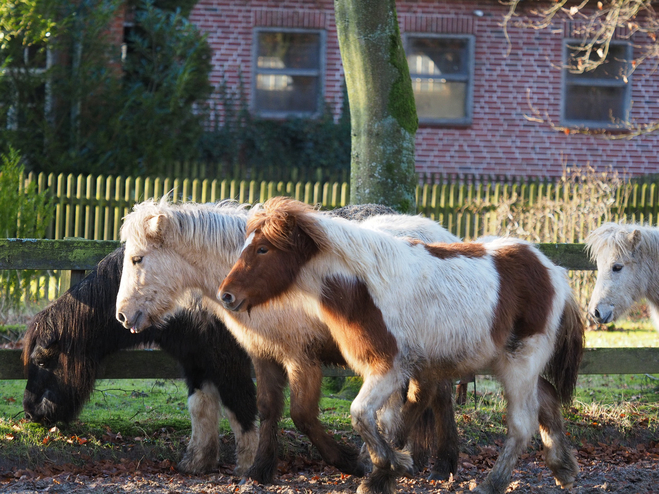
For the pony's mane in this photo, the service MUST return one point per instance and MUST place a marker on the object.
(614, 238)
(67, 320)
(279, 216)
(218, 226)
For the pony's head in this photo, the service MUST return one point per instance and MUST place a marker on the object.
(167, 247)
(282, 236)
(147, 292)
(63, 345)
(49, 396)
(620, 252)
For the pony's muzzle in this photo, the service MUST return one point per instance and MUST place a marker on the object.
(136, 325)
(228, 300)
(602, 313)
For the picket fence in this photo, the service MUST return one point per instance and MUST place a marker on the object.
(92, 207)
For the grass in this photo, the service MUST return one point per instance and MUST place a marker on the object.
(149, 418)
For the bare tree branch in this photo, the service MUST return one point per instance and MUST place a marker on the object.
(597, 24)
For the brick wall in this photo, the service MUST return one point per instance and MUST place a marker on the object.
(500, 140)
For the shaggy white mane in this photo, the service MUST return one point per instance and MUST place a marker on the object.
(613, 238)
(219, 226)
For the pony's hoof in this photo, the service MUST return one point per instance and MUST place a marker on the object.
(565, 485)
(566, 475)
(189, 466)
(442, 476)
(487, 487)
(379, 482)
(443, 469)
(403, 464)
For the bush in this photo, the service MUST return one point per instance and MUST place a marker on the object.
(243, 145)
(24, 213)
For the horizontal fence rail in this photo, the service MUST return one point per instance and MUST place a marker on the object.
(79, 254)
(156, 364)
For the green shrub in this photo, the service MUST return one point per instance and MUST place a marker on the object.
(247, 146)
(24, 213)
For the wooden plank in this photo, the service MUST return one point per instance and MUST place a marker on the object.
(53, 254)
(140, 364)
(620, 361)
(84, 254)
(570, 256)
(156, 364)
(11, 366)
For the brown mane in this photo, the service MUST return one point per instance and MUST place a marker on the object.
(280, 217)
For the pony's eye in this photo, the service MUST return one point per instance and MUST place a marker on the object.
(262, 250)
(137, 259)
(617, 268)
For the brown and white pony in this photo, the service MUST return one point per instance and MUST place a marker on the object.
(174, 248)
(400, 308)
(627, 258)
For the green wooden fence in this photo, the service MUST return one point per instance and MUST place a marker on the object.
(92, 207)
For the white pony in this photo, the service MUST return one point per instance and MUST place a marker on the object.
(399, 308)
(627, 258)
(171, 249)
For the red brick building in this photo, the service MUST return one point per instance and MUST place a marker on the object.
(472, 96)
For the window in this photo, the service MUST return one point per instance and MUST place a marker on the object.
(599, 98)
(288, 72)
(442, 68)
(29, 92)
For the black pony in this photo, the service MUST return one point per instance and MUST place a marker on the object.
(66, 343)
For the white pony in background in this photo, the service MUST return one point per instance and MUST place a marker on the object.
(627, 258)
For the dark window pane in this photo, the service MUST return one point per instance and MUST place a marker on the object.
(435, 56)
(614, 66)
(595, 103)
(288, 51)
(283, 93)
(36, 57)
(436, 99)
(31, 104)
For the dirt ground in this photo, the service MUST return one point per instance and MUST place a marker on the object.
(602, 470)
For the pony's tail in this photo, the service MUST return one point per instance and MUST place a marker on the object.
(562, 369)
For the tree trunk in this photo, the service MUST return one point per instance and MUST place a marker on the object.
(382, 110)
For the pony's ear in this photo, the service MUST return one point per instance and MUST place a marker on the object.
(155, 227)
(634, 239)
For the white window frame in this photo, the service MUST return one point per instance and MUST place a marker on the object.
(469, 78)
(12, 113)
(603, 82)
(319, 73)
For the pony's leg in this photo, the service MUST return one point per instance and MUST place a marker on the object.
(305, 383)
(521, 393)
(461, 389)
(204, 446)
(446, 455)
(557, 452)
(237, 395)
(387, 463)
(424, 428)
(404, 422)
(270, 382)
